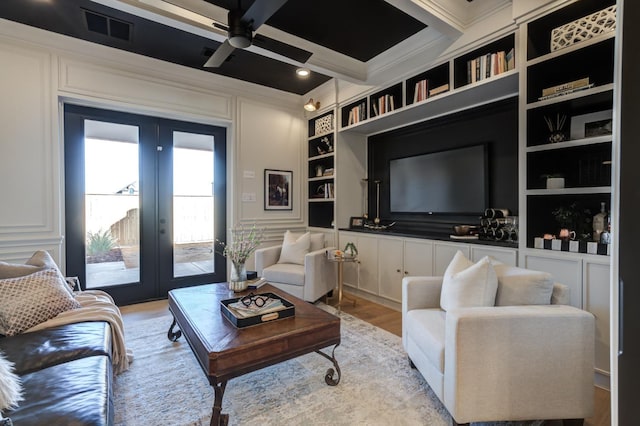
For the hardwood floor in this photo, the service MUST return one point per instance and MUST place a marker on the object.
(378, 315)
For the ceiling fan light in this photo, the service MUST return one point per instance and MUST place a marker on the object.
(311, 106)
(303, 72)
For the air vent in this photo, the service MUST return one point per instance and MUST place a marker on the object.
(107, 25)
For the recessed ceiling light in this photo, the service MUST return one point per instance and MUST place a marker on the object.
(303, 72)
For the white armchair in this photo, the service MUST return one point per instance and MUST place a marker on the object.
(501, 363)
(309, 281)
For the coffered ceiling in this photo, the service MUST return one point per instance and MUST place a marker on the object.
(332, 38)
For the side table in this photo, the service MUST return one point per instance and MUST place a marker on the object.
(341, 260)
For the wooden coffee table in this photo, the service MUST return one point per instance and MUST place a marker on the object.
(225, 352)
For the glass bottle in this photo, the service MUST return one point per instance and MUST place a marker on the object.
(599, 222)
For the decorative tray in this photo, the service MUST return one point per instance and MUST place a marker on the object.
(242, 315)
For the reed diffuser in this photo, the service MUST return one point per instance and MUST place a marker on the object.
(556, 134)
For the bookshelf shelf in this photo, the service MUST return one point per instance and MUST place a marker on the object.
(321, 159)
(470, 96)
(584, 162)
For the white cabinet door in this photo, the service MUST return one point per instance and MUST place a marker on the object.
(507, 256)
(596, 301)
(444, 252)
(390, 270)
(567, 271)
(418, 258)
(368, 263)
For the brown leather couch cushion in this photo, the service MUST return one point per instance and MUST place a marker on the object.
(49, 347)
(76, 392)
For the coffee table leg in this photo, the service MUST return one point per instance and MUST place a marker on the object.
(328, 378)
(171, 335)
(217, 418)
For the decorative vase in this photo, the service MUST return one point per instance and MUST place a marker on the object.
(238, 279)
(557, 136)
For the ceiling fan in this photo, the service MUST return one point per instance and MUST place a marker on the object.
(240, 28)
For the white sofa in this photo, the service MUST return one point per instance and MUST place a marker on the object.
(501, 362)
(309, 281)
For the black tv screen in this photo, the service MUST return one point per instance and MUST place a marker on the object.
(452, 181)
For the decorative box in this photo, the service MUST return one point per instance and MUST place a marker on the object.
(287, 311)
(584, 28)
(324, 124)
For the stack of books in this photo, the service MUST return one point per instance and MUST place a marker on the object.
(490, 65)
(565, 88)
(384, 104)
(241, 310)
(421, 91)
(357, 114)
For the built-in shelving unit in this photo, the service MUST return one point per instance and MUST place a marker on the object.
(321, 170)
(567, 124)
(438, 91)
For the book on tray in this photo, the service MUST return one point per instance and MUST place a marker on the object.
(253, 308)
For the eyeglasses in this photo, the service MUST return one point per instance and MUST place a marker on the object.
(256, 299)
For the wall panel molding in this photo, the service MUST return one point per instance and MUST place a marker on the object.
(29, 166)
(114, 84)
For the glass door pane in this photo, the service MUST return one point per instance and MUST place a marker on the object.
(193, 204)
(112, 204)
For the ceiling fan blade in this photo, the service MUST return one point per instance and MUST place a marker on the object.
(220, 55)
(284, 49)
(260, 11)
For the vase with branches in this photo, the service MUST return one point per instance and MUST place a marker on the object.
(244, 241)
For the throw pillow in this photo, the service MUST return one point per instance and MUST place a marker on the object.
(10, 385)
(294, 249)
(519, 286)
(39, 261)
(466, 284)
(30, 300)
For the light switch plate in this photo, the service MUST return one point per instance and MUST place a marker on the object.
(249, 174)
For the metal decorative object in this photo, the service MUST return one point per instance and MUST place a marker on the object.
(584, 28)
(324, 124)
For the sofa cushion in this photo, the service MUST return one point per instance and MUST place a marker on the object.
(10, 386)
(77, 392)
(466, 284)
(285, 273)
(32, 299)
(519, 286)
(56, 345)
(294, 248)
(426, 328)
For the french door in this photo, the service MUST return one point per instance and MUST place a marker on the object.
(144, 201)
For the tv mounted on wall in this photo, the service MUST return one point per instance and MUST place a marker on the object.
(454, 181)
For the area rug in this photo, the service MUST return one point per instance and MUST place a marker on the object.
(166, 386)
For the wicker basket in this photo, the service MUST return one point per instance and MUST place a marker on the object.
(324, 124)
(584, 28)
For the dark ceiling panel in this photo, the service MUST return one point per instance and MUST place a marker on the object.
(361, 29)
(157, 41)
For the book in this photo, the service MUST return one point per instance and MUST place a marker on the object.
(243, 311)
(566, 92)
(511, 59)
(257, 283)
(439, 89)
(560, 88)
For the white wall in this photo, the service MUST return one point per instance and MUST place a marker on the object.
(41, 70)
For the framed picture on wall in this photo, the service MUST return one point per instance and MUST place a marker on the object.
(277, 189)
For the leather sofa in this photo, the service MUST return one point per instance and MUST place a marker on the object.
(66, 375)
